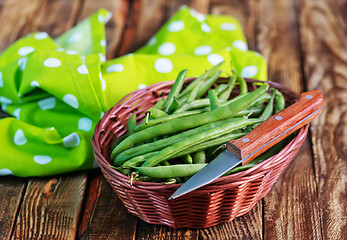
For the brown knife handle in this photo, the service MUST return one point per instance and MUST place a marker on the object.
(277, 127)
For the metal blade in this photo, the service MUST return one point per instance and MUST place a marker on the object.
(219, 166)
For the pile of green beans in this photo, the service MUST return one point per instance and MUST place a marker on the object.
(183, 132)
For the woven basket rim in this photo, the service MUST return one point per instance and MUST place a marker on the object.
(263, 166)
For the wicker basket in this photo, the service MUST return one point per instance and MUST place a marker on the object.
(221, 201)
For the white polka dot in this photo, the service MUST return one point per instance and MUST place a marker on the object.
(167, 49)
(228, 26)
(176, 26)
(104, 19)
(1, 80)
(85, 124)
(102, 57)
(19, 138)
(200, 17)
(163, 65)
(108, 17)
(102, 114)
(34, 84)
(215, 58)
(103, 43)
(249, 71)
(19, 95)
(72, 140)
(22, 62)
(152, 41)
(5, 171)
(203, 50)
(5, 100)
(25, 50)
(42, 159)
(75, 37)
(142, 86)
(71, 100)
(82, 69)
(71, 52)
(240, 45)
(60, 49)
(101, 18)
(103, 82)
(3, 107)
(257, 54)
(115, 68)
(228, 48)
(205, 28)
(47, 103)
(52, 62)
(16, 113)
(41, 35)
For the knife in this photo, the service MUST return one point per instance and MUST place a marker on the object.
(263, 137)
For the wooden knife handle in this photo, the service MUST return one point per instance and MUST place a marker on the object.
(277, 127)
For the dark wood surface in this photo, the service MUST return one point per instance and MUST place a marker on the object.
(305, 45)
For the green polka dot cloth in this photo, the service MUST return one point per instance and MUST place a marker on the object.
(56, 90)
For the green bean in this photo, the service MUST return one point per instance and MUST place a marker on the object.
(199, 79)
(224, 96)
(131, 124)
(178, 170)
(165, 163)
(184, 123)
(192, 95)
(221, 88)
(199, 157)
(242, 83)
(156, 113)
(268, 111)
(208, 84)
(159, 104)
(153, 122)
(138, 160)
(187, 159)
(168, 152)
(160, 144)
(200, 103)
(175, 90)
(173, 106)
(280, 102)
(212, 143)
(212, 96)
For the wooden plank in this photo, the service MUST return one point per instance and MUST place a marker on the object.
(54, 17)
(115, 26)
(324, 46)
(290, 209)
(15, 18)
(248, 226)
(46, 209)
(51, 207)
(12, 189)
(105, 217)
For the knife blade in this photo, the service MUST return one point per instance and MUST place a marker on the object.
(263, 137)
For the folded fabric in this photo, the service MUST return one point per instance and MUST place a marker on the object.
(58, 89)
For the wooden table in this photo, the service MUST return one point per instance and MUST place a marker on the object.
(305, 44)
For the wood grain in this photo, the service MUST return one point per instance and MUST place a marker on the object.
(104, 215)
(115, 26)
(12, 189)
(51, 208)
(290, 209)
(324, 45)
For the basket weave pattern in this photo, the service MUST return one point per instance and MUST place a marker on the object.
(221, 201)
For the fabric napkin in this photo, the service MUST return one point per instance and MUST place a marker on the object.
(56, 90)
